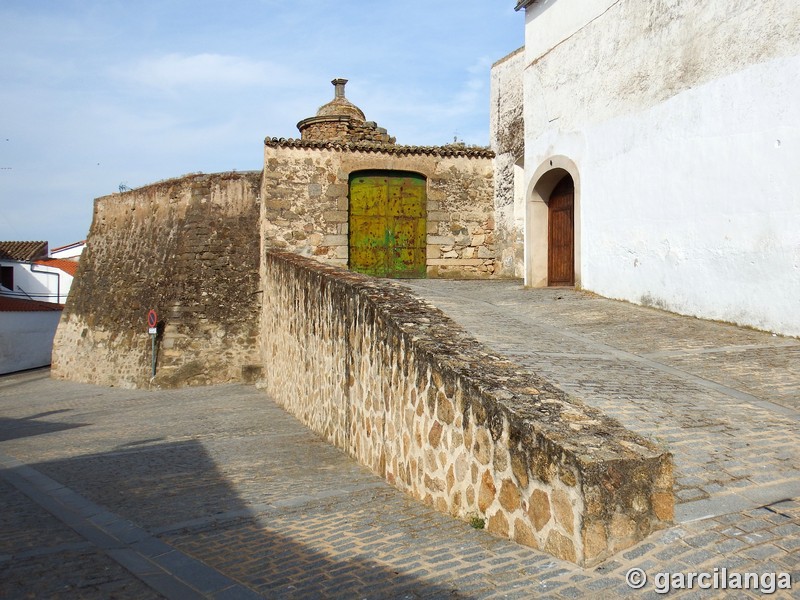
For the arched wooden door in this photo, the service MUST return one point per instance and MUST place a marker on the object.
(561, 234)
(387, 224)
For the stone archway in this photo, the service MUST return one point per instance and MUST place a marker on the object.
(537, 221)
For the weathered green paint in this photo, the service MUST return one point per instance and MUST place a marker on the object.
(387, 224)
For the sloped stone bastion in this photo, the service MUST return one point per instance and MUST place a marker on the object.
(395, 383)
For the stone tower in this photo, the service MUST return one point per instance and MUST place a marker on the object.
(342, 121)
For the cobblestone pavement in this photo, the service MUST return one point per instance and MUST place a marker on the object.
(218, 493)
(724, 400)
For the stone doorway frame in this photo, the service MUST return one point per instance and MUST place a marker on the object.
(542, 183)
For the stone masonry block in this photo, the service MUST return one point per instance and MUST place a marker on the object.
(335, 216)
(439, 215)
(441, 240)
(334, 240)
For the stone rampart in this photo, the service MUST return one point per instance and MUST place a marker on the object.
(399, 386)
(188, 248)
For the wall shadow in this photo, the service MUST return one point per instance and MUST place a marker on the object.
(177, 493)
(12, 429)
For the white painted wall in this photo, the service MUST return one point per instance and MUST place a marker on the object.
(38, 282)
(556, 21)
(72, 251)
(683, 121)
(693, 205)
(26, 339)
(506, 131)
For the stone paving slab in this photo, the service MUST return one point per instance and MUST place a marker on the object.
(723, 399)
(219, 482)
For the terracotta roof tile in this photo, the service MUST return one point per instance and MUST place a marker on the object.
(68, 266)
(66, 246)
(450, 150)
(23, 305)
(23, 250)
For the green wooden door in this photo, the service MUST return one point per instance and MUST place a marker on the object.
(387, 224)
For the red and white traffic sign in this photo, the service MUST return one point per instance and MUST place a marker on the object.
(152, 319)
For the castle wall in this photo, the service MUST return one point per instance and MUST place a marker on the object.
(188, 248)
(395, 383)
(305, 201)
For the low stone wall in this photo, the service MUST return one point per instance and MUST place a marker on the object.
(399, 386)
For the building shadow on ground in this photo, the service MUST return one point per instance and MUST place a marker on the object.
(11, 429)
(175, 492)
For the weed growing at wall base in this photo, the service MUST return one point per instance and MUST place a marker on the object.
(477, 522)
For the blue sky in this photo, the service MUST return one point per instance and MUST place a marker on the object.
(95, 93)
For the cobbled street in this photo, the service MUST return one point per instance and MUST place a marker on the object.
(216, 492)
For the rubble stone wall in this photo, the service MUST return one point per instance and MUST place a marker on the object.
(305, 200)
(399, 386)
(187, 248)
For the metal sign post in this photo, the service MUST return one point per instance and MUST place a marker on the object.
(152, 322)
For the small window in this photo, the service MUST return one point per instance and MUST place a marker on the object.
(7, 277)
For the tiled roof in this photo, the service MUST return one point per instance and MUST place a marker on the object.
(23, 305)
(23, 250)
(449, 150)
(68, 246)
(68, 266)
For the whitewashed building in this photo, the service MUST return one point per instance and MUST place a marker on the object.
(34, 285)
(650, 151)
(27, 328)
(28, 271)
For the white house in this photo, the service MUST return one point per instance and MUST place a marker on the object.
(69, 252)
(33, 289)
(27, 328)
(659, 156)
(28, 272)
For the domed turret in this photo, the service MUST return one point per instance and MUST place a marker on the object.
(341, 121)
(340, 106)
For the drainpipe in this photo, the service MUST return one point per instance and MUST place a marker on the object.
(58, 279)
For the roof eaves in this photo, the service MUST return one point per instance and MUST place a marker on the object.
(523, 4)
(68, 246)
(8, 304)
(371, 147)
(23, 250)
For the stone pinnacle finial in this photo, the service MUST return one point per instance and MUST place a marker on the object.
(339, 85)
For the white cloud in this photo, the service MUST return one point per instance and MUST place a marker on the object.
(201, 70)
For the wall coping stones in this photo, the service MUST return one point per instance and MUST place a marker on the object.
(448, 150)
(199, 176)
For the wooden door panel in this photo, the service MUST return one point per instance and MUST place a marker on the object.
(408, 263)
(561, 234)
(388, 225)
(368, 196)
(369, 260)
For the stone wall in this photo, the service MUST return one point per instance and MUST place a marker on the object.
(343, 129)
(188, 248)
(399, 386)
(506, 131)
(305, 200)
